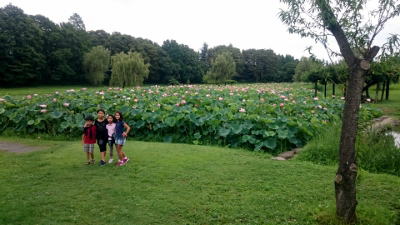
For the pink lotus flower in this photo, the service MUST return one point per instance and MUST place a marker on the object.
(158, 105)
(342, 98)
(273, 105)
(35, 94)
(54, 99)
(43, 111)
(57, 92)
(2, 100)
(177, 104)
(220, 98)
(135, 100)
(83, 89)
(316, 98)
(66, 104)
(281, 105)
(43, 106)
(242, 110)
(368, 100)
(29, 96)
(183, 102)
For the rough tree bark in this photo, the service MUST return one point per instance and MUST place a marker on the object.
(345, 181)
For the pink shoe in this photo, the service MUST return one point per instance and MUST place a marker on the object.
(120, 163)
(125, 160)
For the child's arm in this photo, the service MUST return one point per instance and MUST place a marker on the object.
(83, 138)
(128, 128)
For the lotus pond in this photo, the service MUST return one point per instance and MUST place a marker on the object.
(270, 117)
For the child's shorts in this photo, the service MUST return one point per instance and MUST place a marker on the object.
(120, 141)
(88, 147)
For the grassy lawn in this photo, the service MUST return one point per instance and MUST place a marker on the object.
(21, 91)
(391, 107)
(178, 184)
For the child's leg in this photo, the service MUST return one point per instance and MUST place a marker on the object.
(110, 144)
(88, 156)
(119, 150)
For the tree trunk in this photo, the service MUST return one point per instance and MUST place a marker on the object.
(387, 88)
(367, 92)
(345, 181)
(315, 88)
(383, 90)
(344, 89)
(325, 89)
(377, 91)
(333, 89)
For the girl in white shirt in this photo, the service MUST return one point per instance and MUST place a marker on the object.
(111, 135)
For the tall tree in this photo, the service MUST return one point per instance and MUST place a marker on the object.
(96, 63)
(186, 62)
(355, 36)
(77, 21)
(128, 69)
(236, 54)
(21, 44)
(222, 69)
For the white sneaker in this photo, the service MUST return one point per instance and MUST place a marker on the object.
(110, 161)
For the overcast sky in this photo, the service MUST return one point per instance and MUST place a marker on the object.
(242, 23)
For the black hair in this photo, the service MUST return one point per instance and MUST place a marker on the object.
(113, 117)
(121, 118)
(89, 118)
(101, 110)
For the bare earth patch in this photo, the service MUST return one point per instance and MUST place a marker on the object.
(17, 148)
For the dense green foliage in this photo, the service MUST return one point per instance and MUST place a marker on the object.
(34, 50)
(128, 70)
(271, 117)
(222, 69)
(375, 152)
(96, 63)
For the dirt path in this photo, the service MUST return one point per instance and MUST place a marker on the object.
(17, 148)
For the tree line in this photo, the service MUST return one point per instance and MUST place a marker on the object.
(35, 50)
(381, 74)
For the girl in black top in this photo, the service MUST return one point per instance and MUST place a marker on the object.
(101, 134)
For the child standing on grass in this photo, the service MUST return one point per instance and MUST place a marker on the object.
(89, 139)
(101, 135)
(120, 137)
(111, 135)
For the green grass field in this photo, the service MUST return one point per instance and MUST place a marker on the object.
(178, 184)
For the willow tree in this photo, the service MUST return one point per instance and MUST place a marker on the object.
(222, 69)
(96, 63)
(128, 69)
(355, 29)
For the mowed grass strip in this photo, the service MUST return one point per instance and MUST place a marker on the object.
(178, 184)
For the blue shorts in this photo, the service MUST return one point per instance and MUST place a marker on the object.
(120, 141)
